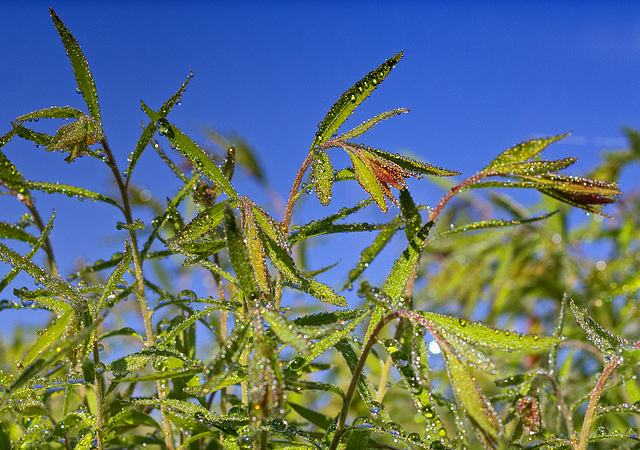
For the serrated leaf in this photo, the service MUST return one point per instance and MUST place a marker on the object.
(348, 101)
(71, 191)
(197, 156)
(54, 112)
(80, 67)
(285, 264)
(322, 175)
(151, 129)
(475, 403)
(368, 180)
(522, 152)
(403, 267)
(368, 124)
(605, 341)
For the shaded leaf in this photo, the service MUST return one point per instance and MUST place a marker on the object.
(238, 255)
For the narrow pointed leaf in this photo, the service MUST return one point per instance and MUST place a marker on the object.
(322, 175)
(40, 139)
(5, 138)
(11, 178)
(286, 331)
(54, 112)
(49, 337)
(115, 277)
(485, 224)
(606, 342)
(368, 124)
(402, 270)
(370, 253)
(151, 129)
(285, 264)
(197, 156)
(132, 417)
(368, 180)
(522, 152)
(410, 214)
(11, 231)
(238, 255)
(71, 191)
(412, 165)
(80, 66)
(534, 167)
(348, 101)
(480, 334)
(321, 346)
(320, 420)
(254, 246)
(202, 224)
(470, 397)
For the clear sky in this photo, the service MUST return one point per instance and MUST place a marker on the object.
(477, 76)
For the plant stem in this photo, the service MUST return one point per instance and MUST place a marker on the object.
(346, 403)
(589, 416)
(99, 396)
(454, 190)
(137, 263)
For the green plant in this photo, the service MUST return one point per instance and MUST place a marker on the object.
(234, 368)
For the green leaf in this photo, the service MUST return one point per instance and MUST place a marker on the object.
(485, 224)
(358, 439)
(54, 112)
(150, 130)
(606, 342)
(368, 124)
(197, 156)
(132, 417)
(49, 337)
(115, 277)
(410, 214)
(320, 420)
(202, 224)
(521, 152)
(370, 253)
(71, 191)
(368, 180)
(285, 264)
(348, 101)
(254, 246)
(286, 331)
(322, 175)
(402, 270)
(12, 231)
(475, 403)
(534, 167)
(239, 256)
(6, 443)
(80, 66)
(412, 165)
(480, 334)
(40, 139)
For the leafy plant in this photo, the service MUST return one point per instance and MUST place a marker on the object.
(236, 368)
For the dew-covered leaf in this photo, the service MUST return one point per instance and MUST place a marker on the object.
(10, 176)
(605, 341)
(403, 267)
(322, 175)
(71, 191)
(132, 417)
(285, 264)
(49, 337)
(318, 419)
(80, 66)
(368, 124)
(348, 101)
(254, 246)
(480, 334)
(227, 357)
(533, 167)
(239, 256)
(329, 318)
(411, 165)
(115, 277)
(202, 224)
(172, 334)
(469, 395)
(150, 130)
(522, 152)
(484, 224)
(12, 231)
(286, 331)
(40, 139)
(197, 156)
(368, 180)
(53, 112)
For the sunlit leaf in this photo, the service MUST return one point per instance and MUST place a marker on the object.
(607, 343)
(485, 224)
(115, 277)
(54, 112)
(254, 246)
(322, 175)
(71, 191)
(202, 224)
(348, 101)
(239, 256)
(49, 337)
(80, 66)
(522, 152)
(411, 165)
(11, 231)
(368, 124)
(368, 180)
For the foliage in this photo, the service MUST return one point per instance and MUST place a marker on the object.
(236, 368)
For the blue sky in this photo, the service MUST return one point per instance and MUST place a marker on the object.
(477, 76)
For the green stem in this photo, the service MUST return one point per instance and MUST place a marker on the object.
(99, 382)
(141, 295)
(589, 416)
